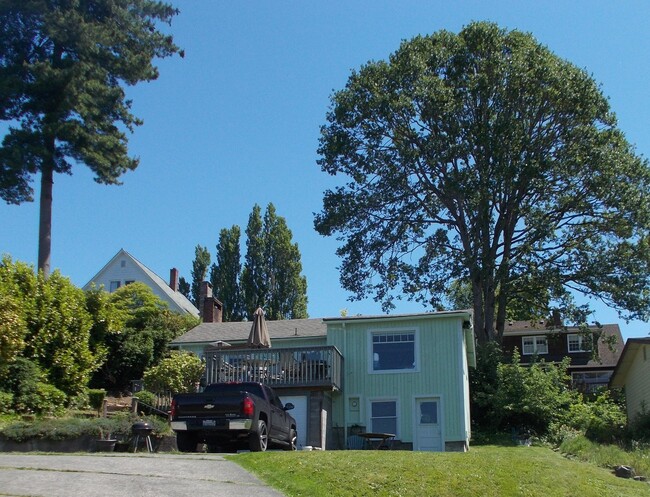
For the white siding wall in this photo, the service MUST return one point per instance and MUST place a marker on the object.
(131, 272)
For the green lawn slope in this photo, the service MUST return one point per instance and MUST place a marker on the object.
(485, 471)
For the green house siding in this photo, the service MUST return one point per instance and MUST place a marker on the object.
(441, 371)
(198, 348)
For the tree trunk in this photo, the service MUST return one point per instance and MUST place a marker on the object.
(45, 221)
(479, 314)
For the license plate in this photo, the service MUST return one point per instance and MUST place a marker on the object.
(209, 422)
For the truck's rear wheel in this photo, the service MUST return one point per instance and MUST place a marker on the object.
(186, 442)
(259, 439)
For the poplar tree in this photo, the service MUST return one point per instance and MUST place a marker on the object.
(253, 277)
(271, 277)
(200, 267)
(287, 288)
(64, 66)
(225, 273)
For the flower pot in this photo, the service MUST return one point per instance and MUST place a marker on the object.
(105, 445)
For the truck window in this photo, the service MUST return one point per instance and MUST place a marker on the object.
(253, 388)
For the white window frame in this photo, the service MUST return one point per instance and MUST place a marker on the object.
(394, 331)
(395, 400)
(537, 342)
(117, 286)
(592, 380)
(581, 343)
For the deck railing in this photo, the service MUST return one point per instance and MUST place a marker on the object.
(305, 367)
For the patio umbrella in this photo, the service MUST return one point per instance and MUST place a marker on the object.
(259, 335)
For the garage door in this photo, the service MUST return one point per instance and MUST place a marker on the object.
(299, 412)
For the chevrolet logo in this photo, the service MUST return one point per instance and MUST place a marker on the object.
(208, 406)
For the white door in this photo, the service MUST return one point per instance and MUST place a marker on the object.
(428, 425)
(299, 413)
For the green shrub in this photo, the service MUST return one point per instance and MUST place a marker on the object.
(559, 432)
(601, 420)
(483, 383)
(96, 398)
(79, 401)
(639, 429)
(178, 373)
(118, 427)
(531, 398)
(6, 402)
(48, 400)
(24, 375)
(146, 397)
(30, 392)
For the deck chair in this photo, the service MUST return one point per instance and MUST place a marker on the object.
(355, 442)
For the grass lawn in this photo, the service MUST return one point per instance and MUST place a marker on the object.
(482, 472)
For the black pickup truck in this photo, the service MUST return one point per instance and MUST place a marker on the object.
(230, 416)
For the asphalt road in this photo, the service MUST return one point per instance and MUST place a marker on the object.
(130, 475)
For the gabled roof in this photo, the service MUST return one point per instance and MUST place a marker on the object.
(632, 346)
(206, 333)
(149, 278)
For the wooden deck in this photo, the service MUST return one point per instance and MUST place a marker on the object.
(310, 367)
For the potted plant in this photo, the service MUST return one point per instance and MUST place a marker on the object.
(105, 442)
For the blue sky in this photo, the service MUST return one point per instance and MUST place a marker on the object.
(236, 122)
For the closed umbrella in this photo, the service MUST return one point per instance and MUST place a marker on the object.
(259, 335)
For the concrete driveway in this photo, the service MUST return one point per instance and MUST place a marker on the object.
(155, 475)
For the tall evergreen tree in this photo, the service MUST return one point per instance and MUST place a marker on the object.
(271, 276)
(253, 276)
(287, 288)
(63, 65)
(184, 287)
(200, 267)
(225, 273)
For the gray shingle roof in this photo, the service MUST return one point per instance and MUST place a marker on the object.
(227, 332)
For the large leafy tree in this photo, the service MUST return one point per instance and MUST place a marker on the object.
(63, 68)
(46, 322)
(225, 273)
(146, 326)
(482, 156)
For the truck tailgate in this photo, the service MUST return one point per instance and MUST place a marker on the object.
(223, 405)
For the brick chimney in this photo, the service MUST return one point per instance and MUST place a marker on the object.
(173, 279)
(211, 308)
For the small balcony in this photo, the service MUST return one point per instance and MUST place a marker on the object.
(318, 368)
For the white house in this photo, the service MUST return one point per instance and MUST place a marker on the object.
(123, 269)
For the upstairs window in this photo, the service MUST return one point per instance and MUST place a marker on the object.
(393, 351)
(578, 343)
(115, 285)
(534, 345)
